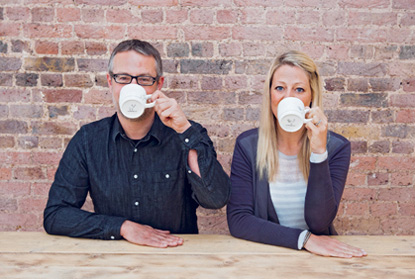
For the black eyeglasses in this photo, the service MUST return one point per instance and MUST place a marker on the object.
(127, 79)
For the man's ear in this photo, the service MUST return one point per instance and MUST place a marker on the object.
(109, 80)
(160, 83)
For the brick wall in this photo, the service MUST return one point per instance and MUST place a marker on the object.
(53, 57)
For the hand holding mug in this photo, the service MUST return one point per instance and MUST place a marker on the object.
(317, 130)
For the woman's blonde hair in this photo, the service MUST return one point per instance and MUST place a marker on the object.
(267, 149)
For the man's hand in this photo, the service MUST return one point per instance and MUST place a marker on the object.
(146, 235)
(170, 112)
(324, 245)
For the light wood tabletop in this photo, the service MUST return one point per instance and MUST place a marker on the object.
(38, 255)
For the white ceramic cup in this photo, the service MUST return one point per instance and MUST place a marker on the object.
(133, 100)
(291, 114)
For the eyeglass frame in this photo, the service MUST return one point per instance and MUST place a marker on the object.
(134, 77)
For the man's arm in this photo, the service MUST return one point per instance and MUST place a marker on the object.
(210, 183)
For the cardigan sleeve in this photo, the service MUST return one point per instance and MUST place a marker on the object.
(326, 184)
(242, 221)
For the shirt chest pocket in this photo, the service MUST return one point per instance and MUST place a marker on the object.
(163, 185)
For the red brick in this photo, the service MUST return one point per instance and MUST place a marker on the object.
(253, 49)
(37, 30)
(401, 194)
(230, 49)
(382, 116)
(50, 64)
(405, 116)
(14, 188)
(308, 34)
(403, 100)
(28, 142)
(256, 3)
(152, 16)
(154, 3)
(100, 32)
(249, 98)
(85, 112)
(50, 143)
(183, 82)
(101, 2)
(398, 225)
(32, 205)
(40, 189)
(227, 16)
(357, 208)
(395, 163)
(17, 13)
(152, 32)
(308, 17)
(15, 158)
(363, 163)
(29, 173)
(206, 3)
(408, 85)
(402, 178)
(92, 65)
(62, 95)
(202, 16)
(356, 179)
(378, 179)
(211, 98)
(46, 158)
(13, 126)
(29, 111)
(10, 29)
(121, 16)
(407, 209)
(408, 19)
(92, 15)
(211, 83)
(94, 96)
(95, 48)
(42, 14)
(364, 35)
(206, 33)
(252, 16)
(43, 47)
(280, 17)
(52, 80)
(19, 221)
(379, 147)
(359, 194)
(403, 4)
(402, 147)
(362, 69)
(7, 142)
(78, 80)
(359, 225)
(333, 18)
(364, 4)
(105, 111)
(256, 33)
(384, 209)
(14, 95)
(5, 173)
(337, 51)
(235, 82)
(176, 16)
(53, 128)
(8, 204)
(372, 18)
(72, 47)
(68, 14)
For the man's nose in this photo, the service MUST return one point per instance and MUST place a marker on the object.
(134, 80)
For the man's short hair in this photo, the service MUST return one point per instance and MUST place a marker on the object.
(141, 47)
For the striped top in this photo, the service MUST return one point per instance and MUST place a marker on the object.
(288, 192)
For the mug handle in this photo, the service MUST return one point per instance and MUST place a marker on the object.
(149, 105)
(306, 120)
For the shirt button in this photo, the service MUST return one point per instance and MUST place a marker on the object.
(135, 149)
(186, 140)
(135, 176)
(167, 175)
(136, 203)
(112, 237)
(189, 171)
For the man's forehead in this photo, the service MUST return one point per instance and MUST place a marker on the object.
(133, 59)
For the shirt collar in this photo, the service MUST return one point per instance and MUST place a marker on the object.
(156, 131)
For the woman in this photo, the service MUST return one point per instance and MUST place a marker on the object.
(287, 186)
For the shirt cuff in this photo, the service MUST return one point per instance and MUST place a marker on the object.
(318, 158)
(301, 239)
(190, 138)
(113, 228)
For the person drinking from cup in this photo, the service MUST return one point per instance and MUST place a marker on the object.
(288, 176)
(147, 168)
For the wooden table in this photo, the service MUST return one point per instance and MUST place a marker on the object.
(38, 255)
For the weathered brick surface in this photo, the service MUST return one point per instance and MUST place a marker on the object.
(216, 55)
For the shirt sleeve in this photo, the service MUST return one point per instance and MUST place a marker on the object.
(63, 214)
(325, 187)
(242, 221)
(210, 190)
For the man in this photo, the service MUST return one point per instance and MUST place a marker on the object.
(146, 176)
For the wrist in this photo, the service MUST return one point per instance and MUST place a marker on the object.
(182, 129)
(307, 237)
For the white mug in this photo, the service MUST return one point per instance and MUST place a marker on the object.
(291, 114)
(133, 100)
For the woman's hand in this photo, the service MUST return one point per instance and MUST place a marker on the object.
(317, 130)
(324, 245)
